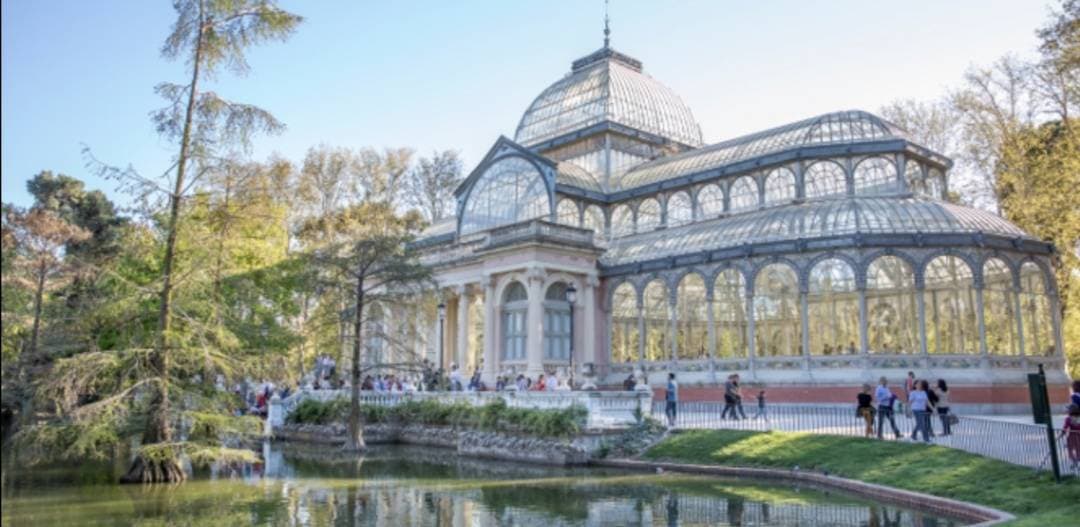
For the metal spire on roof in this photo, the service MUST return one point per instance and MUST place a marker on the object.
(607, 26)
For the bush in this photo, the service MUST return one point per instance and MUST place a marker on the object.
(495, 416)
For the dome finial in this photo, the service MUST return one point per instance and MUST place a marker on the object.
(607, 26)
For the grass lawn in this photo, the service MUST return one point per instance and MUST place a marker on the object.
(1033, 497)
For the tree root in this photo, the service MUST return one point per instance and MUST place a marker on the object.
(154, 471)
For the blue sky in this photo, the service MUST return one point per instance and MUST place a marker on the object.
(455, 75)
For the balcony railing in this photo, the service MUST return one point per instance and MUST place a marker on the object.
(538, 230)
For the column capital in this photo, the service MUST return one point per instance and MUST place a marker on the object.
(536, 273)
(591, 280)
(487, 281)
(461, 290)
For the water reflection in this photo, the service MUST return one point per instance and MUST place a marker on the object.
(398, 486)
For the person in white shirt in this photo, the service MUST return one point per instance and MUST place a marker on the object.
(456, 381)
(885, 402)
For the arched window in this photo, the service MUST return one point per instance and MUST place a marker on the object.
(568, 213)
(913, 174)
(375, 334)
(710, 201)
(744, 194)
(1035, 312)
(622, 221)
(556, 323)
(594, 220)
(509, 191)
(949, 298)
(680, 209)
(892, 317)
(999, 308)
(515, 307)
(875, 176)
(777, 325)
(692, 318)
(833, 308)
(624, 324)
(825, 179)
(648, 215)
(655, 311)
(935, 184)
(779, 186)
(729, 314)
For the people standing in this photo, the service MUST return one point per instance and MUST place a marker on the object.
(1071, 433)
(909, 386)
(919, 402)
(738, 396)
(942, 406)
(672, 400)
(456, 381)
(729, 398)
(885, 401)
(761, 411)
(865, 409)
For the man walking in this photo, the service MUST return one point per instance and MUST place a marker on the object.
(672, 398)
(885, 401)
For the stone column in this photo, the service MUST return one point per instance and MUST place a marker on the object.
(673, 328)
(804, 315)
(751, 343)
(491, 322)
(588, 350)
(1055, 313)
(864, 333)
(462, 348)
(981, 323)
(1019, 325)
(641, 330)
(920, 307)
(710, 331)
(534, 339)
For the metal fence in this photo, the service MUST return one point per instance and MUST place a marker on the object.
(1017, 443)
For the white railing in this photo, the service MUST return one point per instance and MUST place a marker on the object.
(606, 409)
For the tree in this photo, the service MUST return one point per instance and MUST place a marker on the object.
(377, 264)
(431, 184)
(39, 238)
(207, 35)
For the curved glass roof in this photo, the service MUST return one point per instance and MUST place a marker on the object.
(846, 127)
(574, 175)
(817, 219)
(607, 86)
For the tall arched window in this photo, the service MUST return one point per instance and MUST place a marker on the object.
(594, 221)
(999, 308)
(875, 176)
(710, 201)
(556, 323)
(655, 311)
(916, 180)
(777, 325)
(779, 186)
(375, 334)
(949, 297)
(622, 221)
(509, 191)
(834, 308)
(624, 324)
(1035, 312)
(892, 317)
(825, 179)
(692, 318)
(648, 215)
(568, 213)
(680, 209)
(515, 307)
(744, 194)
(729, 314)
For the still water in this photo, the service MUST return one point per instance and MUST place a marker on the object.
(408, 486)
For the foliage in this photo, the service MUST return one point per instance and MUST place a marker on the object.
(495, 416)
(934, 470)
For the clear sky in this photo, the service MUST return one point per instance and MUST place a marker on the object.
(455, 75)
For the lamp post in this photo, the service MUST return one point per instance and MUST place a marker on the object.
(442, 319)
(571, 297)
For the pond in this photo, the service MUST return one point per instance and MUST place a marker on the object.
(410, 486)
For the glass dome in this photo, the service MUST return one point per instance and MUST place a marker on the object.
(607, 86)
(821, 219)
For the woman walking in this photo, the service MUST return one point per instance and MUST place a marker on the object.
(1071, 433)
(865, 409)
(919, 402)
(943, 407)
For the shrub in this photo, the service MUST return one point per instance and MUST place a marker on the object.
(311, 411)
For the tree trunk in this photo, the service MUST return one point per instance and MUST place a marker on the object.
(159, 428)
(355, 440)
(30, 361)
